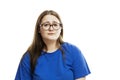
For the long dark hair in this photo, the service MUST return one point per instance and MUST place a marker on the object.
(38, 44)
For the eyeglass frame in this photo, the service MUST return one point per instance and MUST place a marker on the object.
(49, 25)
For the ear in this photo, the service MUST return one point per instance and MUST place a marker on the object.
(39, 31)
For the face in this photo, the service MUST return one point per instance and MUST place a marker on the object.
(50, 28)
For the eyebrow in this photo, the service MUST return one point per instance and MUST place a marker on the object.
(55, 22)
(49, 22)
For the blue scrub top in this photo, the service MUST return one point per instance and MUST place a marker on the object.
(52, 66)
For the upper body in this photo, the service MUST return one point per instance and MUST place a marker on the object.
(52, 66)
(49, 57)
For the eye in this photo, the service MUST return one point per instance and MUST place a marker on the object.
(55, 24)
(46, 24)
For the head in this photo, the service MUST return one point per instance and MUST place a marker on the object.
(48, 27)
(49, 19)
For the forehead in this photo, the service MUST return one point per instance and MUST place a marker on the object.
(50, 18)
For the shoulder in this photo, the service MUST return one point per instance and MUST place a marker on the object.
(26, 57)
(70, 47)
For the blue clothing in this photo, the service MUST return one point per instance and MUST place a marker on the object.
(52, 66)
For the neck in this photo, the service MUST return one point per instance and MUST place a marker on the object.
(51, 46)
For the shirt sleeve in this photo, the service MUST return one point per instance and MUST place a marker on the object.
(24, 72)
(80, 66)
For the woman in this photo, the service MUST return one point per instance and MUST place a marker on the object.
(49, 57)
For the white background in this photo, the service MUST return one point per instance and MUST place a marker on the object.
(92, 25)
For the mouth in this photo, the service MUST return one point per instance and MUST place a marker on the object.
(51, 33)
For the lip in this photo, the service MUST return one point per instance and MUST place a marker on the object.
(51, 33)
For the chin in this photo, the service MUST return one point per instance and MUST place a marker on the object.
(52, 38)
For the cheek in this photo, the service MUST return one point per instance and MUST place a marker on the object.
(58, 32)
(42, 33)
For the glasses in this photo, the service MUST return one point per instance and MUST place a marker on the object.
(46, 26)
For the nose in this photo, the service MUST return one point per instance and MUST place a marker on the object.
(51, 27)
